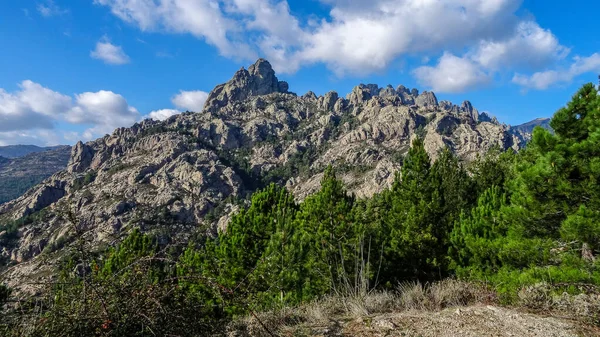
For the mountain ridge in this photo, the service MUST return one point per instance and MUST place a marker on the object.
(20, 150)
(18, 174)
(524, 131)
(181, 174)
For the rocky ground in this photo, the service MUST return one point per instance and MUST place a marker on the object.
(473, 321)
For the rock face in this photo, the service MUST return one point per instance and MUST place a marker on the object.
(426, 98)
(258, 80)
(81, 158)
(170, 176)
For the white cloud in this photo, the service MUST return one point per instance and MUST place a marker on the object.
(162, 114)
(360, 36)
(366, 36)
(190, 100)
(184, 100)
(49, 8)
(30, 114)
(103, 109)
(43, 100)
(202, 18)
(531, 46)
(109, 53)
(452, 74)
(545, 79)
(32, 106)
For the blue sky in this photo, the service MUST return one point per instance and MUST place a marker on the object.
(76, 69)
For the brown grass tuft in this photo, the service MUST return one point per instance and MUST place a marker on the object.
(443, 294)
(408, 296)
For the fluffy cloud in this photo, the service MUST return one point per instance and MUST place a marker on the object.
(184, 100)
(40, 137)
(104, 109)
(530, 47)
(32, 106)
(360, 36)
(162, 114)
(29, 114)
(365, 36)
(452, 74)
(202, 18)
(109, 53)
(190, 100)
(545, 79)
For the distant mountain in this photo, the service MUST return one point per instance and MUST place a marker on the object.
(17, 175)
(16, 151)
(524, 131)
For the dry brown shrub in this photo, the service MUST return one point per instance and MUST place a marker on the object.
(536, 297)
(442, 294)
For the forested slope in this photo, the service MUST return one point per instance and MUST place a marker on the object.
(524, 224)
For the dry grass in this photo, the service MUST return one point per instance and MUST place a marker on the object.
(433, 297)
(542, 297)
(408, 296)
(443, 294)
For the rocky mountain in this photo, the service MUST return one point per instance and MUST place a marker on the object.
(16, 151)
(18, 174)
(186, 174)
(524, 131)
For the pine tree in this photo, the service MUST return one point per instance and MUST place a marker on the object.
(412, 219)
(474, 237)
(328, 229)
(558, 175)
(235, 257)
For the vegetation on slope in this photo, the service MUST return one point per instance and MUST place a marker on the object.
(19, 174)
(514, 220)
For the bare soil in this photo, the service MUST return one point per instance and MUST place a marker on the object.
(473, 321)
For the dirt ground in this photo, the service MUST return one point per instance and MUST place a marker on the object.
(474, 321)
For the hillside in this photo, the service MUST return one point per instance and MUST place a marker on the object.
(252, 131)
(27, 168)
(16, 151)
(270, 202)
(525, 130)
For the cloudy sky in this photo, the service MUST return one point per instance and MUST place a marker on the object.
(77, 69)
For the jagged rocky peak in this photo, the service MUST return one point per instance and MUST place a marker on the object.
(388, 91)
(426, 98)
(328, 101)
(263, 79)
(363, 92)
(310, 96)
(258, 80)
(81, 158)
(468, 109)
(485, 117)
